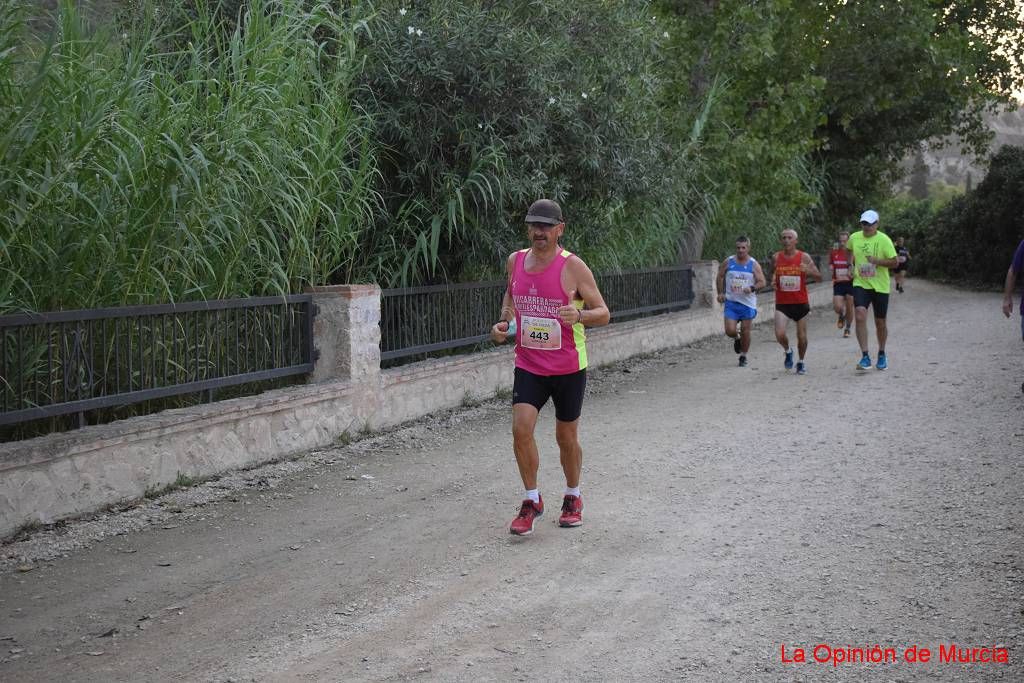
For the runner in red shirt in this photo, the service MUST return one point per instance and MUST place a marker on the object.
(842, 283)
(792, 267)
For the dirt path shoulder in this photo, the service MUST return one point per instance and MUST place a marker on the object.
(729, 513)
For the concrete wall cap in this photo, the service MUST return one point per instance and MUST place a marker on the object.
(348, 291)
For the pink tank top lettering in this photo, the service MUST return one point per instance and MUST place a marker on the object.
(544, 344)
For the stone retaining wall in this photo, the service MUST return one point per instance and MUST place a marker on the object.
(64, 475)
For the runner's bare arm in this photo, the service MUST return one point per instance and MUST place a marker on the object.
(810, 268)
(759, 279)
(889, 262)
(884, 262)
(849, 259)
(720, 280)
(499, 331)
(579, 282)
(1008, 287)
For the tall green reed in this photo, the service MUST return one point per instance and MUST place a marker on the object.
(180, 160)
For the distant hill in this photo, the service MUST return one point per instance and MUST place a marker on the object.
(949, 166)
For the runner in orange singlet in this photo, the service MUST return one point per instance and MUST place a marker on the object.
(791, 301)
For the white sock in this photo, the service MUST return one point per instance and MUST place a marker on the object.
(532, 494)
(572, 492)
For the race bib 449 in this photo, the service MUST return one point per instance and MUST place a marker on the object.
(789, 283)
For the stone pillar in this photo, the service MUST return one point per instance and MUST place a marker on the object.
(346, 332)
(705, 288)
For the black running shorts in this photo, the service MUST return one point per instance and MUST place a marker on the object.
(842, 288)
(865, 298)
(793, 311)
(565, 391)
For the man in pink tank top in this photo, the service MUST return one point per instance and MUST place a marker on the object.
(551, 297)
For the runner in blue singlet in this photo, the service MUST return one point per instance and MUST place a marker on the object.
(739, 278)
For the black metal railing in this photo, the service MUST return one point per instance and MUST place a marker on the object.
(68, 362)
(419, 320)
(416, 321)
(634, 293)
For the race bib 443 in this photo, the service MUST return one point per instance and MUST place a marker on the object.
(544, 334)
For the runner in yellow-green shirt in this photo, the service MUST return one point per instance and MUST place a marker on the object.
(873, 255)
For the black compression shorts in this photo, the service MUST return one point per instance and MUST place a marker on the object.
(865, 298)
(565, 391)
(842, 288)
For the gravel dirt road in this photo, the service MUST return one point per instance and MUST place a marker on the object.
(729, 513)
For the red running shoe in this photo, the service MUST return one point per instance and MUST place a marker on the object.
(522, 525)
(572, 511)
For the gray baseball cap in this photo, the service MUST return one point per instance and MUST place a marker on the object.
(544, 211)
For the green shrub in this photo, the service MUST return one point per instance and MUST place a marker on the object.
(483, 107)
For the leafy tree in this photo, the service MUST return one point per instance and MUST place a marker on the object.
(898, 73)
(828, 97)
(760, 128)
